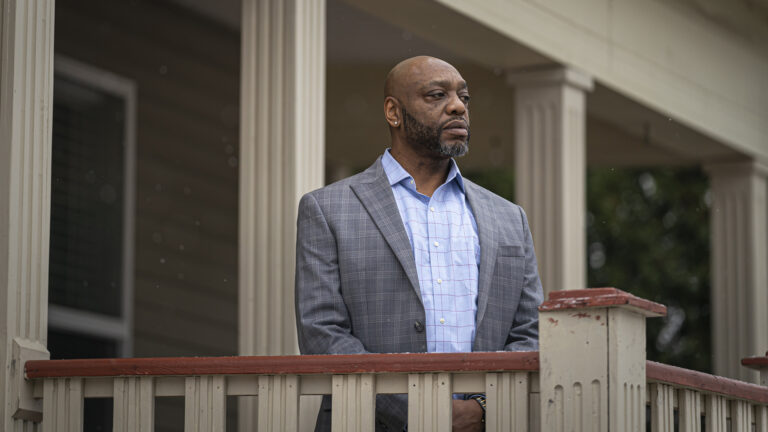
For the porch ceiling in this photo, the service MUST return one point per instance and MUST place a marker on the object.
(371, 34)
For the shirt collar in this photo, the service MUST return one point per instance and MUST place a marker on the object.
(396, 173)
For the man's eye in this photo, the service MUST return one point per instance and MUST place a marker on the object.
(437, 95)
(465, 98)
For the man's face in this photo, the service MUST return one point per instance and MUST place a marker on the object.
(436, 111)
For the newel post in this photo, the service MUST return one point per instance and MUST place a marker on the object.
(592, 360)
(760, 364)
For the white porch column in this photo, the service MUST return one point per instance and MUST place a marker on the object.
(550, 167)
(26, 93)
(739, 255)
(282, 151)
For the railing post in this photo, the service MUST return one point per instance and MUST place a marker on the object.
(760, 364)
(592, 360)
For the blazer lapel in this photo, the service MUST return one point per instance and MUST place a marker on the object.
(486, 231)
(375, 193)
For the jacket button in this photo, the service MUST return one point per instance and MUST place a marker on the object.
(418, 326)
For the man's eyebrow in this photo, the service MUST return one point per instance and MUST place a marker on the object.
(445, 83)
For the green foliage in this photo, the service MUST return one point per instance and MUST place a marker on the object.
(648, 234)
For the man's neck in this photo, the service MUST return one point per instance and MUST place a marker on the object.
(428, 172)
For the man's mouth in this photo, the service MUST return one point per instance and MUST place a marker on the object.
(457, 128)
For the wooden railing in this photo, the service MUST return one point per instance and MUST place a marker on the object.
(719, 404)
(508, 378)
(590, 374)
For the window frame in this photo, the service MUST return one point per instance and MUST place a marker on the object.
(86, 322)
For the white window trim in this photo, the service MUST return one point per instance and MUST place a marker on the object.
(86, 322)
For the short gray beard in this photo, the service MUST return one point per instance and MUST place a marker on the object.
(420, 134)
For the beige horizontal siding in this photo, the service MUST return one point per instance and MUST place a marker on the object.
(186, 69)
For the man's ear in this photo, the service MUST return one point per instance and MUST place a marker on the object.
(392, 112)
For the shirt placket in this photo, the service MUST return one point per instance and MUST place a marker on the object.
(437, 255)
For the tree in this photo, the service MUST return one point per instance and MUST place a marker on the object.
(648, 234)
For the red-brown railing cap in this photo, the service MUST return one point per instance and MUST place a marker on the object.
(600, 297)
(759, 362)
(705, 382)
(280, 365)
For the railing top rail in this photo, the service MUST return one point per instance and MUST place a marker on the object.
(280, 365)
(705, 382)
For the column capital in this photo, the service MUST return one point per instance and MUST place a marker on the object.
(730, 169)
(550, 76)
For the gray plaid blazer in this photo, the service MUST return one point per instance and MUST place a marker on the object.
(357, 289)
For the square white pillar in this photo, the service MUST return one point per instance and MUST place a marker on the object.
(739, 266)
(550, 170)
(26, 100)
(282, 156)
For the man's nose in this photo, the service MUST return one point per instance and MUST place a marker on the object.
(456, 105)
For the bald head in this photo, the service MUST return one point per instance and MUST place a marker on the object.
(412, 70)
(426, 104)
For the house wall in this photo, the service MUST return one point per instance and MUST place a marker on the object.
(186, 71)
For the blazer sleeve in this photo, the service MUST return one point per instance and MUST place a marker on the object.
(524, 334)
(322, 319)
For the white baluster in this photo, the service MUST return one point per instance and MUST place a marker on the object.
(662, 408)
(430, 404)
(278, 403)
(354, 403)
(717, 414)
(761, 418)
(205, 404)
(134, 404)
(63, 405)
(741, 416)
(507, 402)
(689, 402)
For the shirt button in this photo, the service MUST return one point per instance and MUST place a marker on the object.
(442, 320)
(440, 281)
(431, 209)
(418, 326)
(437, 244)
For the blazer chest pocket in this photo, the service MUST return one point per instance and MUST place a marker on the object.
(511, 251)
(510, 268)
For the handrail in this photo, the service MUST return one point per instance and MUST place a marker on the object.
(705, 382)
(281, 365)
(365, 363)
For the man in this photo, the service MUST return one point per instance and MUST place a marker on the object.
(409, 256)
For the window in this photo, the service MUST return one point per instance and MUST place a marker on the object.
(92, 213)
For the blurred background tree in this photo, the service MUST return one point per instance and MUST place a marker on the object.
(648, 234)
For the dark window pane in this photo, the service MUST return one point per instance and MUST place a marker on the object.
(87, 198)
(97, 415)
(66, 345)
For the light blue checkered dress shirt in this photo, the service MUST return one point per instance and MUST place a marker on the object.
(443, 235)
